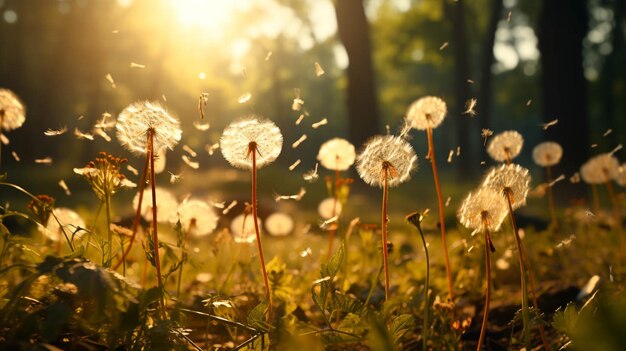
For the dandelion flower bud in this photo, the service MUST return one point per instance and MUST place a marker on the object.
(326, 207)
(427, 112)
(336, 154)
(139, 118)
(600, 169)
(197, 217)
(239, 136)
(547, 154)
(12, 111)
(387, 153)
(505, 146)
(483, 209)
(166, 205)
(70, 221)
(509, 180)
(279, 224)
(242, 228)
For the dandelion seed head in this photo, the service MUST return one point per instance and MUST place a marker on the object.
(600, 169)
(12, 111)
(239, 135)
(513, 180)
(386, 153)
(427, 112)
(547, 154)
(196, 216)
(167, 205)
(142, 117)
(482, 209)
(329, 208)
(505, 146)
(336, 154)
(620, 177)
(70, 221)
(242, 229)
(279, 224)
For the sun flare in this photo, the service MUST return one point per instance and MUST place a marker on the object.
(207, 14)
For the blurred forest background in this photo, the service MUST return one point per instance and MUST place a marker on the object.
(525, 62)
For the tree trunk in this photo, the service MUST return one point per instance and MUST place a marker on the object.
(353, 31)
(562, 26)
(485, 97)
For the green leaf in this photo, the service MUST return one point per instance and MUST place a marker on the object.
(566, 320)
(400, 326)
(334, 264)
(256, 318)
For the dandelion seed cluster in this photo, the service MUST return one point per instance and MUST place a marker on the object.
(483, 209)
(326, 207)
(600, 169)
(238, 136)
(12, 111)
(279, 224)
(510, 179)
(69, 219)
(140, 118)
(242, 229)
(426, 113)
(505, 146)
(547, 154)
(197, 217)
(336, 154)
(386, 151)
(166, 205)
(620, 178)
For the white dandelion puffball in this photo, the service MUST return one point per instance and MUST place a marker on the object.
(513, 180)
(620, 178)
(600, 169)
(69, 219)
(166, 205)
(238, 136)
(138, 118)
(279, 224)
(12, 111)
(388, 152)
(160, 160)
(547, 154)
(505, 146)
(483, 209)
(336, 154)
(427, 112)
(242, 228)
(197, 217)
(325, 208)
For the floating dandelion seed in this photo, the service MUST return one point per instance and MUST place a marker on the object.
(106, 122)
(319, 71)
(509, 180)
(210, 149)
(336, 154)
(547, 154)
(427, 112)
(297, 101)
(322, 122)
(483, 210)
(197, 217)
(190, 151)
(294, 165)
(44, 161)
(244, 98)
(299, 141)
(12, 111)
(300, 118)
(386, 153)
(616, 149)
(505, 146)
(443, 46)
(312, 175)
(109, 78)
(486, 133)
(296, 197)
(143, 117)
(101, 133)
(530, 101)
(136, 65)
(55, 132)
(470, 106)
(3, 139)
(65, 188)
(166, 207)
(553, 122)
(279, 224)
(608, 131)
(229, 207)
(70, 223)
(450, 154)
(201, 126)
(471, 81)
(132, 170)
(600, 169)
(268, 56)
(80, 135)
(242, 229)
(325, 208)
(175, 178)
(189, 162)
(238, 136)
(15, 156)
(593, 146)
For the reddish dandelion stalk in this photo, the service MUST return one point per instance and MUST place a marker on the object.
(386, 167)
(483, 328)
(155, 236)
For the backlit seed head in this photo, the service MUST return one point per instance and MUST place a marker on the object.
(166, 205)
(70, 221)
(509, 180)
(505, 146)
(482, 209)
(547, 154)
(427, 112)
(600, 169)
(336, 154)
(197, 217)
(143, 117)
(242, 229)
(386, 154)
(240, 136)
(12, 111)
(279, 224)
(325, 208)
(620, 178)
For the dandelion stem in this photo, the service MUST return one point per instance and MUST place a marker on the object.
(483, 328)
(253, 151)
(183, 258)
(551, 197)
(155, 235)
(425, 326)
(442, 216)
(384, 227)
(142, 186)
(331, 238)
(107, 205)
(1, 121)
